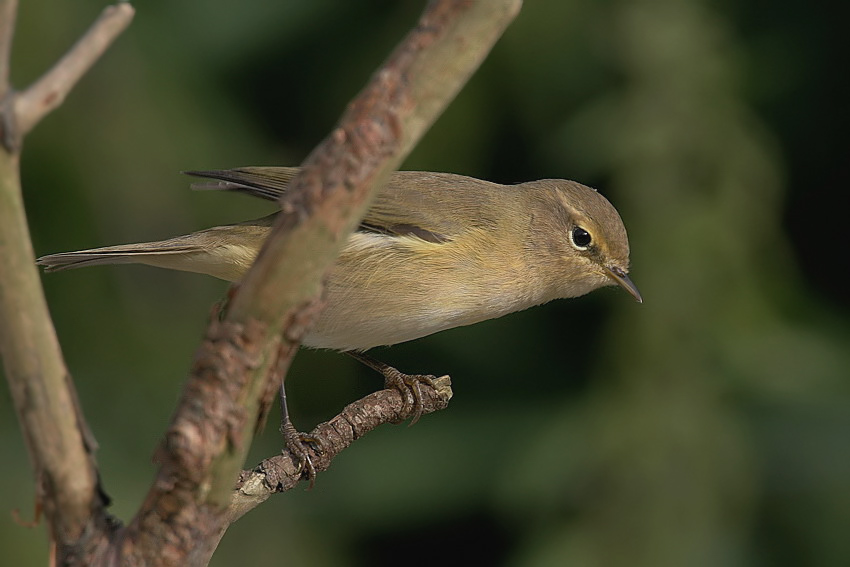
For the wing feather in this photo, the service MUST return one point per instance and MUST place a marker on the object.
(435, 207)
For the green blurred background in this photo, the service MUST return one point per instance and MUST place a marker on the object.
(709, 426)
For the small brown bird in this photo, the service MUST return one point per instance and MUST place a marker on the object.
(434, 251)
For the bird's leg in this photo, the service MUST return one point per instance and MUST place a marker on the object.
(297, 442)
(219, 311)
(409, 385)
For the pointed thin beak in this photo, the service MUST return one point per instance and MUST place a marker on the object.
(619, 275)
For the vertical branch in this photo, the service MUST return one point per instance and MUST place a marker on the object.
(8, 15)
(37, 375)
(57, 438)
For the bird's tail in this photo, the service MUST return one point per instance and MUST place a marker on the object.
(225, 252)
(151, 253)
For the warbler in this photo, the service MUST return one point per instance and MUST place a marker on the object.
(434, 251)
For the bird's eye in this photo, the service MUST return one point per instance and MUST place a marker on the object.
(580, 237)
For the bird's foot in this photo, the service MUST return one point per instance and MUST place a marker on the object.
(410, 387)
(302, 446)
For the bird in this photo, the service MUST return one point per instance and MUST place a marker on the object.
(434, 251)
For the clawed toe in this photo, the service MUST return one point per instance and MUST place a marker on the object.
(302, 445)
(410, 387)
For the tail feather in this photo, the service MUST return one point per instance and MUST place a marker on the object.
(122, 254)
(225, 252)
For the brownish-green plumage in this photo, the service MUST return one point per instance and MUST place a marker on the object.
(434, 251)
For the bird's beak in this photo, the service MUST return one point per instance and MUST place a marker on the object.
(619, 275)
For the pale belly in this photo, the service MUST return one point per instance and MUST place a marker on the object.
(393, 324)
(377, 299)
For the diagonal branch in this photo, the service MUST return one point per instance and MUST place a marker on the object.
(48, 92)
(280, 473)
(211, 430)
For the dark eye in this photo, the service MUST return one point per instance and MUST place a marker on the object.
(581, 238)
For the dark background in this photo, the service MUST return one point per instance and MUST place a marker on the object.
(708, 426)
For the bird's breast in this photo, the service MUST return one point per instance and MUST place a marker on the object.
(386, 289)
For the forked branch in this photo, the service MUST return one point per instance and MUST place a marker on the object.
(60, 447)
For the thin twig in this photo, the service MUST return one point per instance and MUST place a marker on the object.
(8, 13)
(281, 473)
(48, 92)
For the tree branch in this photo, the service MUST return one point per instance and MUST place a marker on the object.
(278, 300)
(8, 15)
(242, 358)
(60, 445)
(280, 473)
(48, 92)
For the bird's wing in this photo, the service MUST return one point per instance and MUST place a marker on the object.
(264, 182)
(432, 206)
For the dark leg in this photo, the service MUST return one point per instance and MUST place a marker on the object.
(219, 310)
(410, 385)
